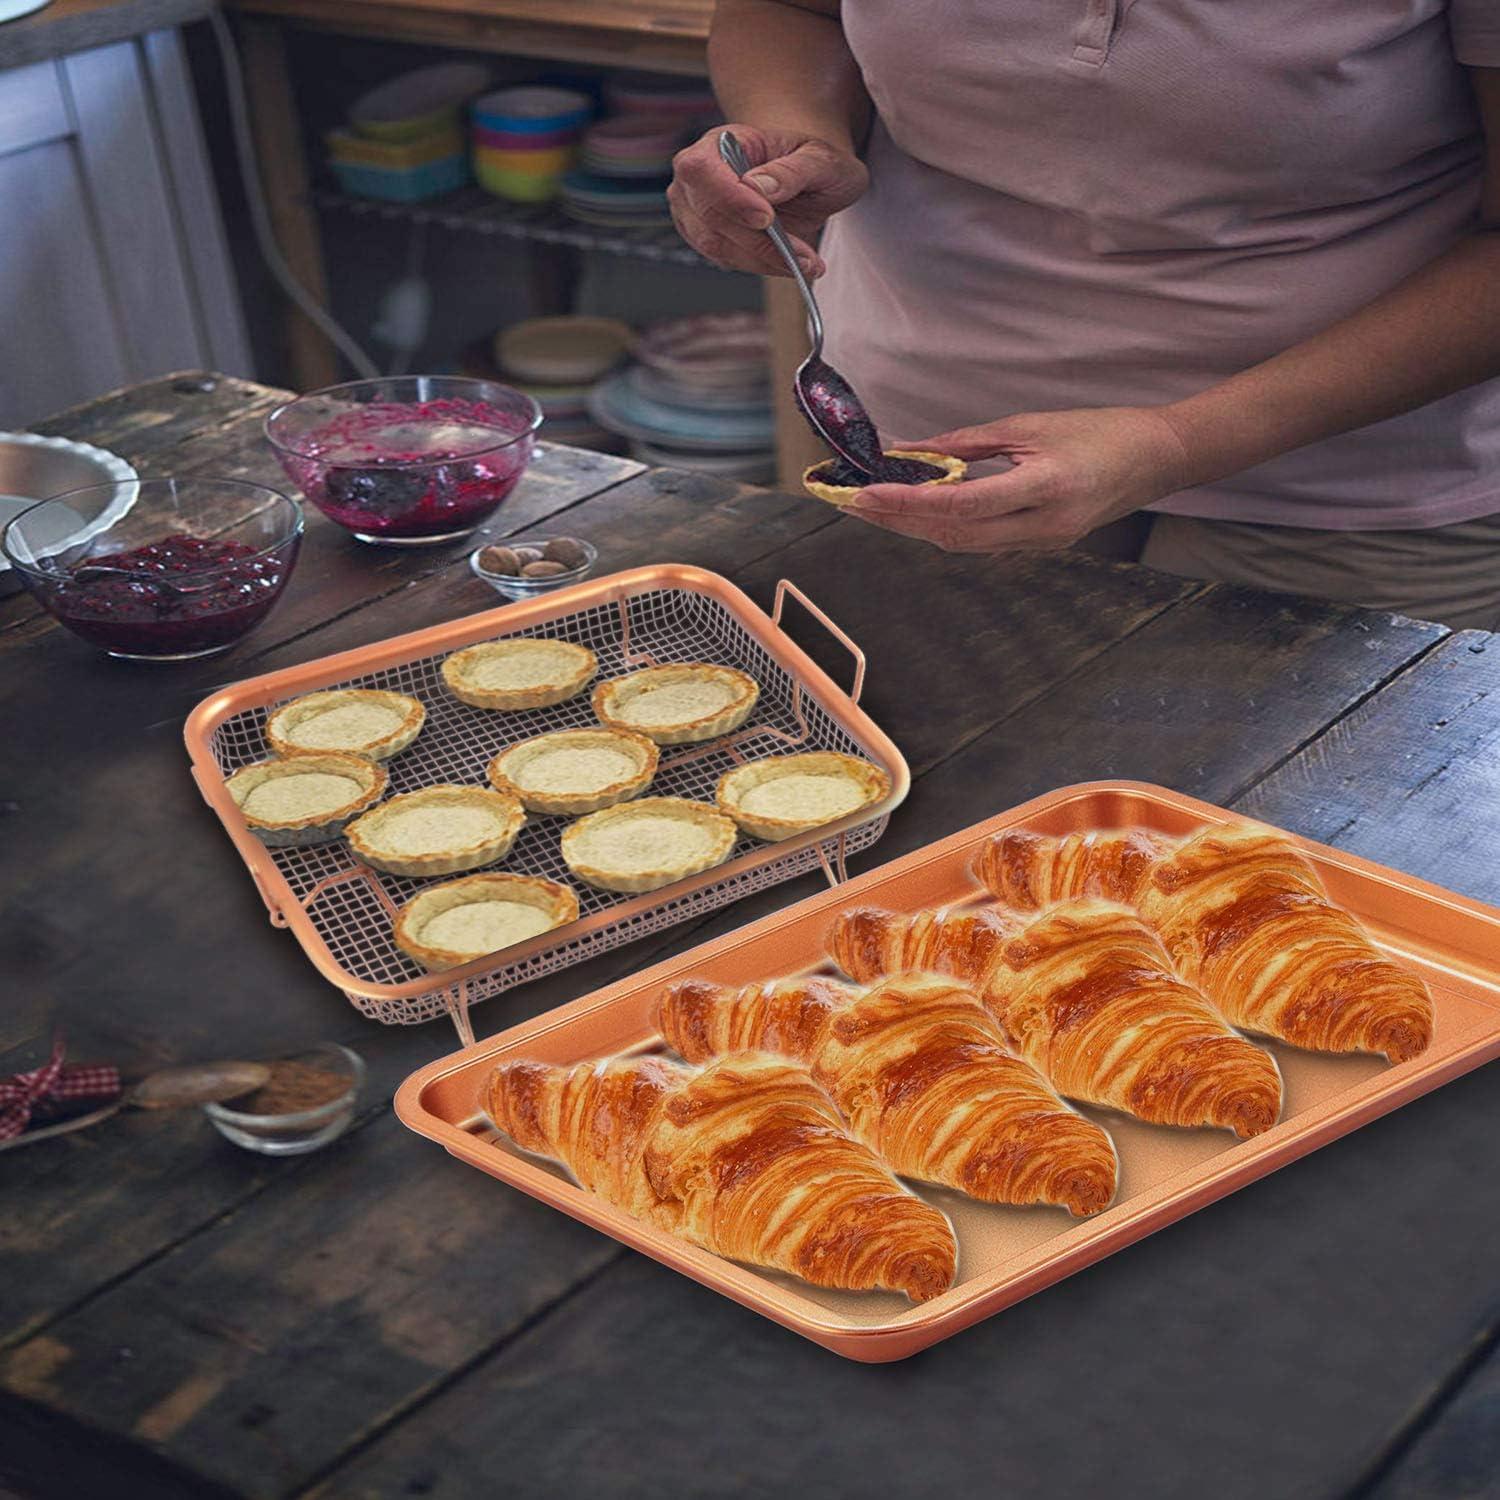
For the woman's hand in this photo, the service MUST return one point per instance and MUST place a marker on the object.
(724, 218)
(1071, 471)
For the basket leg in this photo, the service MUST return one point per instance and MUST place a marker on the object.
(836, 872)
(457, 1001)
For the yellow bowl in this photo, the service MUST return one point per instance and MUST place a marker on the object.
(519, 187)
(550, 161)
(413, 128)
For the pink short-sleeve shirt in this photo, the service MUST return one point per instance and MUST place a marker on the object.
(1119, 202)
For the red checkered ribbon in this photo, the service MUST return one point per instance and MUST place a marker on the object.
(53, 1084)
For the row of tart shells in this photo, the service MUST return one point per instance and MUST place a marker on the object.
(683, 837)
(702, 701)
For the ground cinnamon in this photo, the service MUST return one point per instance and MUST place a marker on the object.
(293, 1087)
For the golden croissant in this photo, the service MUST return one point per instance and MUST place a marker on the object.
(1245, 917)
(746, 1157)
(921, 1075)
(1028, 871)
(1086, 994)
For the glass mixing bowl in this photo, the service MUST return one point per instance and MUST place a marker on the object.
(412, 460)
(188, 569)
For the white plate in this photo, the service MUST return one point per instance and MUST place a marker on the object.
(69, 464)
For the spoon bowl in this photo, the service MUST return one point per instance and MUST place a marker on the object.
(829, 403)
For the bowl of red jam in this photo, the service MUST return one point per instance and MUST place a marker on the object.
(412, 460)
(191, 568)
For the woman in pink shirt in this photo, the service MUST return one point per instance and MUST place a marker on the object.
(1225, 276)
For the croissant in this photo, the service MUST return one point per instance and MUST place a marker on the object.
(746, 1158)
(1245, 917)
(921, 1075)
(1028, 871)
(1086, 994)
(593, 1118)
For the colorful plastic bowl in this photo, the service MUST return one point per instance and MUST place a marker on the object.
(552, 162)
(418, 103)
(519, 187)
(510, 140)
(531, 109)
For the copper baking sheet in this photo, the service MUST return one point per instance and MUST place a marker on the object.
(341, 912)
(1005, 1253)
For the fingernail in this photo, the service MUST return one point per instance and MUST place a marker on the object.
(760, 219)
(762, 183)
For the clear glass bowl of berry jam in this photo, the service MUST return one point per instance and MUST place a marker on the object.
(411, 460)
(192, 567)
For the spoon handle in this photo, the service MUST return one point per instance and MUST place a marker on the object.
(734, 157)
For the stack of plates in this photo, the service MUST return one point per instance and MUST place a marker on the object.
(699, 398)
(558, 362)
(633, 146)
(690, 100)
(615, 202)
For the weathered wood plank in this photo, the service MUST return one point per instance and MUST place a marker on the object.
(249, 1340)
(1258, 1348)
(1411, 777)
(970, 780)
(1206, 699)
(1458, 1454)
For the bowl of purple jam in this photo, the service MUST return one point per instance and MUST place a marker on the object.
(191, 568)
(412, 460)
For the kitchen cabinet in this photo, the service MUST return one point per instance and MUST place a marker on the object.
(113, 261)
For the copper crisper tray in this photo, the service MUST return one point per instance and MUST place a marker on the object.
(1005, 1253)
(341, 911)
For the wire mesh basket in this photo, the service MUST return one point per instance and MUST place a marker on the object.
(342, 911)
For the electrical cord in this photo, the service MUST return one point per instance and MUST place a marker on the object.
(260, 218)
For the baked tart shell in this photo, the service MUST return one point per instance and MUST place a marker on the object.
(469, 853)
(569, 680)
(283, 722)
(556, 903)
(872, 784)
(322, 826)
(612, 702)
(507, 770)
(953, 469)
(582, 858)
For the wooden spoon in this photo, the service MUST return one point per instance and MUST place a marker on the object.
(167, 1088)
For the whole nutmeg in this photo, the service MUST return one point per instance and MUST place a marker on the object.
(542, 569)
(565, 550)
(529, 554)
(500, 560)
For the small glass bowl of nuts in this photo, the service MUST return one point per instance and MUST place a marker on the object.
(525, 569)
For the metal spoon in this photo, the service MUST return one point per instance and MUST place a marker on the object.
(823, 396)
(167, 1088)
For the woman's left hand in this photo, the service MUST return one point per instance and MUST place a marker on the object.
(1072, 471)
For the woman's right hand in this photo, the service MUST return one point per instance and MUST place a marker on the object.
(724, 218)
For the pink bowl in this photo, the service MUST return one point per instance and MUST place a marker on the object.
(512, 140)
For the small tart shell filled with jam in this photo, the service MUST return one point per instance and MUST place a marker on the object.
(646, 844)
(683, 703)
(576, 771)
(305, 799)
(440, 830)
(356, 721)
(522, 672)
(461, 920)
(824, 481)
(784, 795)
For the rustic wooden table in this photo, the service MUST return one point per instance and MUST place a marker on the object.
(180, 1318)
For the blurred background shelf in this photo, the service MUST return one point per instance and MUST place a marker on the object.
(473, 211)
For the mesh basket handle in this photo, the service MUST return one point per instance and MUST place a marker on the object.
(784, 587)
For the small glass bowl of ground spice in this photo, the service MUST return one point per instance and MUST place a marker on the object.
(308, 1100)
